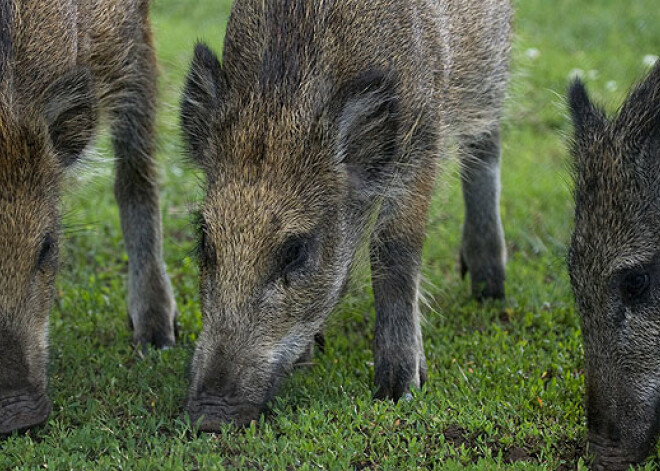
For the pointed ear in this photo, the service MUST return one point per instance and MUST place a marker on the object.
(640, 114)
(585, 115)
(367, 125)
(71, 114)
(203, 96)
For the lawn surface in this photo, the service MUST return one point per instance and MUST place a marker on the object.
(506, 383)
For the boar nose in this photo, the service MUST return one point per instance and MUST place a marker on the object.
(22, 410)
(221, 398)
(211, 411)
(606, 443)
(23, 400)
(609, 455)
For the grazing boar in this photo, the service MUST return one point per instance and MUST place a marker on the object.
(61, 63)
(321, 130)
(614, 263)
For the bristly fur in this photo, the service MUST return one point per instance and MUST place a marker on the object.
(286, 61)
(6, 58)
(197, 221)
(6, 20)
(322, 130)
(615, 245)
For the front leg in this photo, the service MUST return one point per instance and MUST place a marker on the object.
(395, 264)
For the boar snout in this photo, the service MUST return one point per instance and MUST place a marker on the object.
(23, 399)
(231, 390)
(227, 399)
(216, 411)
(611, 455)
(619, 440)
(20, 411)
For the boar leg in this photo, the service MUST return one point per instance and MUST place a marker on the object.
(151, 307)
(396, 254)
(483, 252)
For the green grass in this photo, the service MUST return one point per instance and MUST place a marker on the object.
(506, 384)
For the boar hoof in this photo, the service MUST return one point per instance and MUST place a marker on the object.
(396, 375)
(22, 412)
(487, 280)
(161, 336)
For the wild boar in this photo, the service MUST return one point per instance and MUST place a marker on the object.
(61, 64)
(321, 130)
(614, 263)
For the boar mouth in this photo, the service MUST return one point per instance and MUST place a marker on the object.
(20, 412)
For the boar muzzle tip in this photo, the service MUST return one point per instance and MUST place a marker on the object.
(23, 413)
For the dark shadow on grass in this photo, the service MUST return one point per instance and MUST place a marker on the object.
(566, 450)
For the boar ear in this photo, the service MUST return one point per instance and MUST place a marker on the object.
(585, 115)
(203, 95)
(71, 114)
(367, 125)
(640, 114)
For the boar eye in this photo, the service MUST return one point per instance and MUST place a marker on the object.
(46, 251)
(295, 254)
(635, 285)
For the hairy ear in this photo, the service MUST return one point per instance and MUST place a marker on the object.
(367, 125)
(586, 117)
(71, 114)
(639, 117)
(203, 96)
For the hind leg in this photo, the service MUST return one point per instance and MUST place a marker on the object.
(483, 252)
(151, 306)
